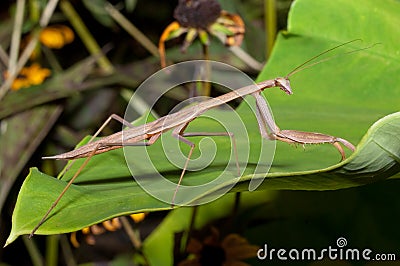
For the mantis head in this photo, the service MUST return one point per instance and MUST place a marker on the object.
(283, 84)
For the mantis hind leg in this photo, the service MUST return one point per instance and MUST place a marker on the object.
(108, 120)
(113, 116)
(152, 139)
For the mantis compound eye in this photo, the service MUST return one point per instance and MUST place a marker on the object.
(284, 84)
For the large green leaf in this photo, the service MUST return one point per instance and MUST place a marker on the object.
(342, 97)
(18, 146)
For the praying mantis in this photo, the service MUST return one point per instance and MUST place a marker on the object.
(149, 133)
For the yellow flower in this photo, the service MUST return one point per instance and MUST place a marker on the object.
(35, 74)
(56, 36)
(198, 18)
(28, 76)
(138, 217)
(19, 83)
(212, 251)
(112, 225)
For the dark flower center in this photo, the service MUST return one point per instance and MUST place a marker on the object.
(197, 13)
(212, 255)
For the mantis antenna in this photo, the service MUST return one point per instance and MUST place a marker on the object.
(305, 66)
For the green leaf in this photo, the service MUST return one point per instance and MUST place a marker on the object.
(342, 97)
(17, 146)
(96, 8)
(130, 5)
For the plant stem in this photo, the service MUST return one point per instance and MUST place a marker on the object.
(34, 10)
(21, 62)
(133, 236)
(33, 251)
(67, 252)
(191, 226)
(270, 24)
(48, 13)
(44, 20)
(52, 250)
(206, 86)
(85, 35)
(16, 35)
(132, 30)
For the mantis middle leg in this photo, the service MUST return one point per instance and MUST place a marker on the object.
(181, 136)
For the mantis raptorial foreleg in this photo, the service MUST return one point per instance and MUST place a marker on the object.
(266, 121)
(302, 137)
(264, 117)
(181, 136)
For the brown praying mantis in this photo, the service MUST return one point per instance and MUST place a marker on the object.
(147, 134)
